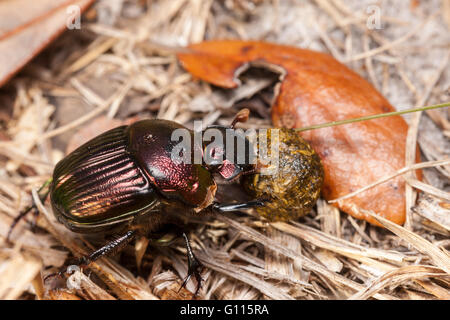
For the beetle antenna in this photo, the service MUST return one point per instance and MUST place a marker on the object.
(241, 116)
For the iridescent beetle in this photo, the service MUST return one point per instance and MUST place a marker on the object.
(125, 182)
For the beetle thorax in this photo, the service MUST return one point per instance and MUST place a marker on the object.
(150, 141)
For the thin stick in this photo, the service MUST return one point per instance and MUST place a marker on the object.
(371, 117)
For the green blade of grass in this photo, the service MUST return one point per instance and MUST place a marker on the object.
(372, 117)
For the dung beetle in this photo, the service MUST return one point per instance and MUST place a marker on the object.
(126, 182)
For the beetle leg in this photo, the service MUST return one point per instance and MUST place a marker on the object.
(194, 266)
(28, 209)
(110, 248)
(238, 206)
(17, 219)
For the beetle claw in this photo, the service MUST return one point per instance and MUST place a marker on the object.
(194, 267)
(186, 279)
(199, 279)
(80, 265)
(195, 270)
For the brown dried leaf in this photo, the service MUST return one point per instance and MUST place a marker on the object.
(27, 26)
(315, 89)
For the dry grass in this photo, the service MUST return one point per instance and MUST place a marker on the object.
(121, 65)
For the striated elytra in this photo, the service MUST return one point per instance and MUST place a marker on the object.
(126, 173)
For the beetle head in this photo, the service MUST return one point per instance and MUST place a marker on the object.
(227, 150)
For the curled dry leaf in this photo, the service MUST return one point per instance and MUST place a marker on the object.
(27, 26)
(315, 89)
